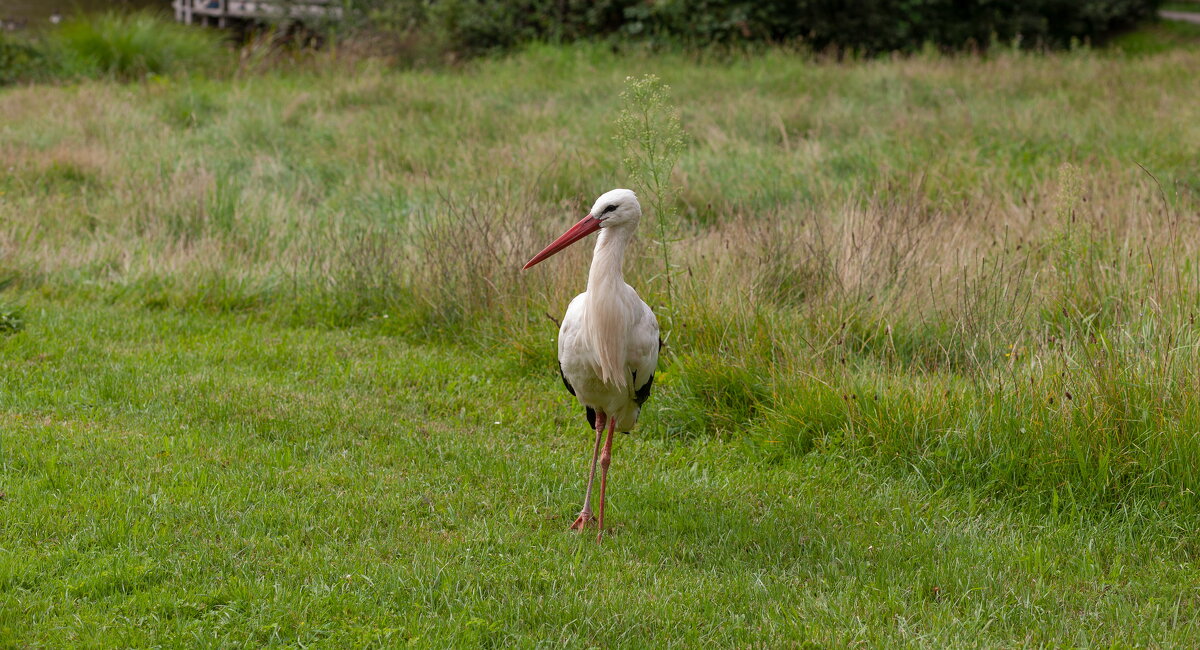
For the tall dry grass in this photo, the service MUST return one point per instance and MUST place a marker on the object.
(980, 268)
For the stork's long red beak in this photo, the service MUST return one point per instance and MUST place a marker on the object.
(585, 227)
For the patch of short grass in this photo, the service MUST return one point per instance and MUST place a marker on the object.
(192, 478)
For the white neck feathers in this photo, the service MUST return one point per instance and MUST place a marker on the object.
(607, 305)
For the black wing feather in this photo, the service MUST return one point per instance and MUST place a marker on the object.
(570, 388)
(590, 413)
(642, 394)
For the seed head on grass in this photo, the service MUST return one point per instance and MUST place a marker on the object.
(652, 139)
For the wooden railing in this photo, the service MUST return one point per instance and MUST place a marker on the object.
(222, 12)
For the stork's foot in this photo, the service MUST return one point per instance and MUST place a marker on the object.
(582, 520)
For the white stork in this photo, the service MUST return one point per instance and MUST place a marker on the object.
(608, 343)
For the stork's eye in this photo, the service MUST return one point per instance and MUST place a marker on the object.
(609, 209)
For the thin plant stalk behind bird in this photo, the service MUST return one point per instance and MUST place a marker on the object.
(608, 344)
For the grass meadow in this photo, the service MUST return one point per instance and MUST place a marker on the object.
(270, 374)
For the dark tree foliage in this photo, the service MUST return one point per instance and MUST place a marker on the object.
(17, 61)
(868, 26)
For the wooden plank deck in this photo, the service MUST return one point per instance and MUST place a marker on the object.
(222, 13)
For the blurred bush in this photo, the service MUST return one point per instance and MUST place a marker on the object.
(19, 60)
(111, 45)
(128, 46)
(867, 26)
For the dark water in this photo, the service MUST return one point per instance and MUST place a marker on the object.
(36, 13)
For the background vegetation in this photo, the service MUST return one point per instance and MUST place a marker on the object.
(120, 46)
(270, 372)
(864, 26)
(126, 45)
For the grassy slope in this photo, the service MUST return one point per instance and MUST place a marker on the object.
(199, 478)
(185, 458)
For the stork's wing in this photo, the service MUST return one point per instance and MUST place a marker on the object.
(567, 336)
(588, 411)
(644, 346)
(642, 393)
(570, 388)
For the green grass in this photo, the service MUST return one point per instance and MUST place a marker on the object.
(930, 375)
(184, 478)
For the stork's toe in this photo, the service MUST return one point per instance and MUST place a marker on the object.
(582, 520)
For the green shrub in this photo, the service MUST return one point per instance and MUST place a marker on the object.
(477, 26)
(879, 25)
(19, 60)
(859, 25)
(131, 46)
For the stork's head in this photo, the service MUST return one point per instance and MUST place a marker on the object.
(614, 208)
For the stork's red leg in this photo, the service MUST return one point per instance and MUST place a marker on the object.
(605, 460)
(585, 515)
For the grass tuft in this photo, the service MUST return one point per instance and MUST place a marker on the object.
(129, 46)
(11, 319)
